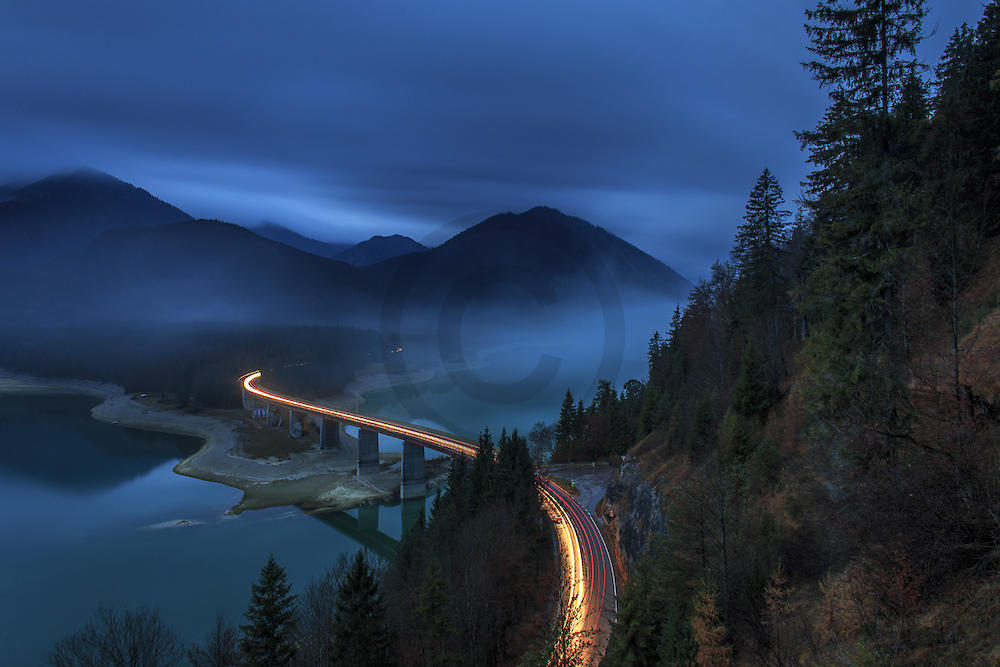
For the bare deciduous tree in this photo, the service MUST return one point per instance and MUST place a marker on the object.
(120, 638)
(220, 648)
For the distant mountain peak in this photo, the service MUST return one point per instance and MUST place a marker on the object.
(72, 208)
(380, 248)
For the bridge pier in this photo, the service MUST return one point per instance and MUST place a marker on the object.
(330, 432)
(367, 452)
(273, 416)
(295, 428)
(414, 484)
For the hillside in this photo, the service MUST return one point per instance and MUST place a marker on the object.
(66, 211)
(211, 270)
(85, 247)
(810, 469)
(542, 253)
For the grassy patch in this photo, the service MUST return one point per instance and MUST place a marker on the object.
(566, 485)
(260, 441)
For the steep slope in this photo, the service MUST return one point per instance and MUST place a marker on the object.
(66, 211)
(542, 251)
(195, 270)
(378, 249)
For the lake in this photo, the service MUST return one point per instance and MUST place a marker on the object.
(90, 512)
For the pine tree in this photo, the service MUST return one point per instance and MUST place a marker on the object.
(758, 254)
(961, 174)
(481, 486)
(653, 354)
(360, 636)
(432, 612)
(267, 639)
(566, 428)
(865, 55)
(759, 239)
(675, 325)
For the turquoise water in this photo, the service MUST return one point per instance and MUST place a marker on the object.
(89, 512)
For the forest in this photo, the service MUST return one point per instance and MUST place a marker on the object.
(196, 362)
(820, 421)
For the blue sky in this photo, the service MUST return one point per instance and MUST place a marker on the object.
(346, 119)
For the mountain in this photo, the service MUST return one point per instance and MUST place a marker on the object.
(86, 247)
(282, 234)
(205, 270)
(66, 211)
(378, 249)
(541, 252)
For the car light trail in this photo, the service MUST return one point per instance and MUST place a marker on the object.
(580, 541)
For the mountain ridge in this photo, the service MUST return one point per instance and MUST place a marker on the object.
(113, 263)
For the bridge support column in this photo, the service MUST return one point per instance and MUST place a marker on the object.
(295, 429)
(249, 403)
(414, 485)
(273, 416)
(367, 452)
(329, 434)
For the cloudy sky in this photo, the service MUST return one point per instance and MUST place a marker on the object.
(345, 119)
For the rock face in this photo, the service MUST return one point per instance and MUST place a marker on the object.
(638, 510)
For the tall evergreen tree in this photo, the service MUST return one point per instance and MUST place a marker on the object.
(360, 637)
(433, 614)
(481, 477)
(756, 252)
(865, 53)
(962, 188)
(267, 639)
(566, 428)
(653, 354)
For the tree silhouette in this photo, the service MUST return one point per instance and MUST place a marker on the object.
(267, 639)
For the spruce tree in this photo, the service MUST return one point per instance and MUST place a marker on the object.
(566, 429)
(653, 354)
(865, 53)
(267, 639)
(756, 252)
(962, 177)
(360, 636)
(433, 614)
(481, 477)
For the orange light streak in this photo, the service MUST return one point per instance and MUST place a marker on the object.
(575, 528)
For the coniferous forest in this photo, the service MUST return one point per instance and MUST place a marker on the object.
(820, 422)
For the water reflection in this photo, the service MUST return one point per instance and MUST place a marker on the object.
(94, 513)
(362, 524)
(80, 454)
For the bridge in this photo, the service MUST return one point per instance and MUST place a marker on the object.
(589, 588)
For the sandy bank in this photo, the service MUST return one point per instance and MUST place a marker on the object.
(312, 479)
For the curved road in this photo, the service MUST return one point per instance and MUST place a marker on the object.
(589, 579)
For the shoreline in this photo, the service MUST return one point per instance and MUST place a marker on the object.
(314, 480)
